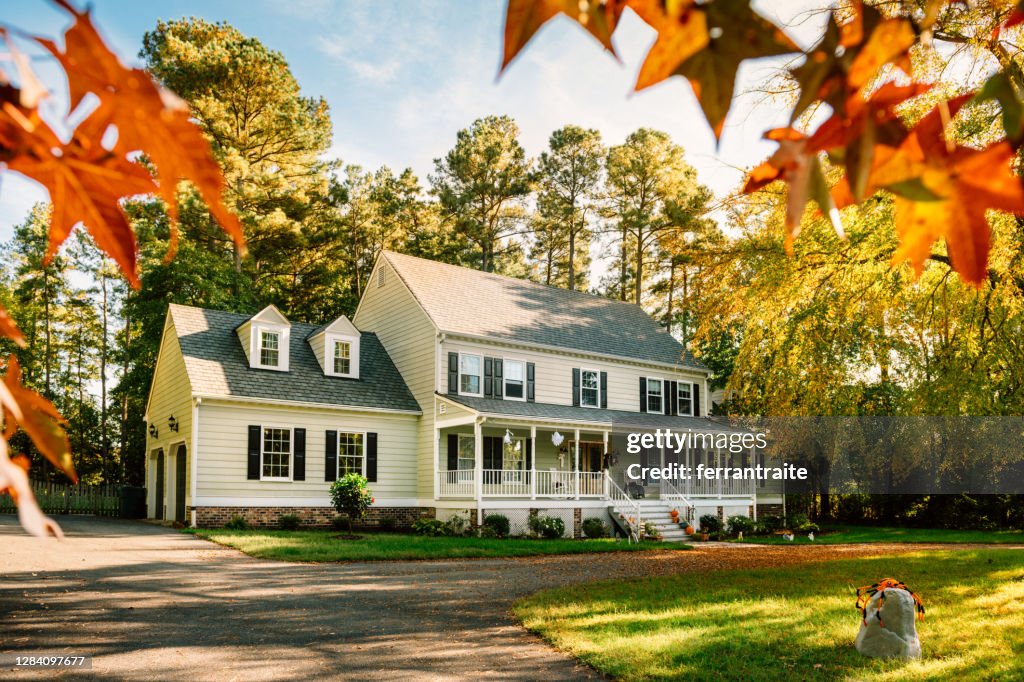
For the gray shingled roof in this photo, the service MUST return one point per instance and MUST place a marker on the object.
(461, 300)
(216, 365)
(618, 418)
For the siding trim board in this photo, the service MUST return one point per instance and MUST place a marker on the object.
(299, 403)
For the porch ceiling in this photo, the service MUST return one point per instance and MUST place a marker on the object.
(585, 416)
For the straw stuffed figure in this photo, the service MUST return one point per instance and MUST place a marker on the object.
(889, 611)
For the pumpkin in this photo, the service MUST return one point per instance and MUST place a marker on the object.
(688, 530)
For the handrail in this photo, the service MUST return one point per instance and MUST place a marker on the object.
(670, 492)
(617, 495)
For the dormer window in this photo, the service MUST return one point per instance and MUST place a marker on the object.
(270, 348)
(342, 357)
(336, 347)
(265, 339)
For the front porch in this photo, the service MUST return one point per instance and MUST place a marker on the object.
(498, 458)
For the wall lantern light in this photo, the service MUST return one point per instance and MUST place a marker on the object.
(153, 431)
(172, 423)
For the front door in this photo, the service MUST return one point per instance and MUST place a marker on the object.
(179, 485)
(158, 500)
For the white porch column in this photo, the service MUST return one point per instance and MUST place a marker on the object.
(437, 462)
(604, 459)
(718, 465)
(533, 463)
(478, 468)
(576, 463)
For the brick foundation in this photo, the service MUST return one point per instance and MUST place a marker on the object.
(577, 523)
(312, 517)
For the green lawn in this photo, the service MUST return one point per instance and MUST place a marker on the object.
(859, 534)
(793, 623)
(316, 545)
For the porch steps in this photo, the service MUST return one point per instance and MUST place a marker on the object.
(659, 513)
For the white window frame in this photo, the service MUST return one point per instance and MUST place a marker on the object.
(256, 345)
(597, 376)
(291, 452)
(504, 378)
(353, 342)
(661, 394)
(688, 385)
(337, 450)
(480, 376)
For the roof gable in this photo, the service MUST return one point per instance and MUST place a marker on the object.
(464, 301)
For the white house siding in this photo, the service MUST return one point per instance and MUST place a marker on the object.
(223, 443)
(554, 373)
(391, 312)
(170, 395)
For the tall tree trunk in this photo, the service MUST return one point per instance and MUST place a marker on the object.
(623, 259)
(639, 282)
(572, 253)
(671, 292)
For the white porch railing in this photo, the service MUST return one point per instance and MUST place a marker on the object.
(457, 483)
(564, 485)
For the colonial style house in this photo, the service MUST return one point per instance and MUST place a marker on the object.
(453, 391)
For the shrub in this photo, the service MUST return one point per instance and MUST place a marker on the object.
(425, 526)
(351, 497)
(799, 523)
(488, 532)
(457, 526)
(498, 523)
(237, 523)
(742, 524)
(770, 523)
(339, 522)
(549, 527)
(289, 521)
(710, 524)
(594, 528)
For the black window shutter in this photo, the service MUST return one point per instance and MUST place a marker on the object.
(488, 377)
(253, 471)
(696, 400)
(604, 389)
(489, 443)
(575, 386)
(331, 456)
(665, 386)
(453, 373)
(498, 373)
(530, 382)
(371, 457)
(643, 394)
(673, 398)
(299, 473)
(529, 453)
(453, 451)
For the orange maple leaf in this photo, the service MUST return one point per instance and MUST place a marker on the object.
(943, 191)
(799, 167)
(523, 18)
(147, 117)
(682, 32)
(86, 183)
(38, 417)
(9, 329)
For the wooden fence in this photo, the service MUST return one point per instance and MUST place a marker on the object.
(65, 498)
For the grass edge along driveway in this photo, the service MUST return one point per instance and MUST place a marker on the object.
(325, 546)
(797, 622)
(844, 535)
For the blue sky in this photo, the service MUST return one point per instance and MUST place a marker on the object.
(402, 76)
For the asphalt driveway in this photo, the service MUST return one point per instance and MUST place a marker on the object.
(150, 603)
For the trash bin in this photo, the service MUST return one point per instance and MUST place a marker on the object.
(133, 502)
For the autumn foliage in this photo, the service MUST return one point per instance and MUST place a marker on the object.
(136, 139)
(861, 69)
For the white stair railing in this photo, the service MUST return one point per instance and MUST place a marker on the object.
(626, 507)
(671, 494)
